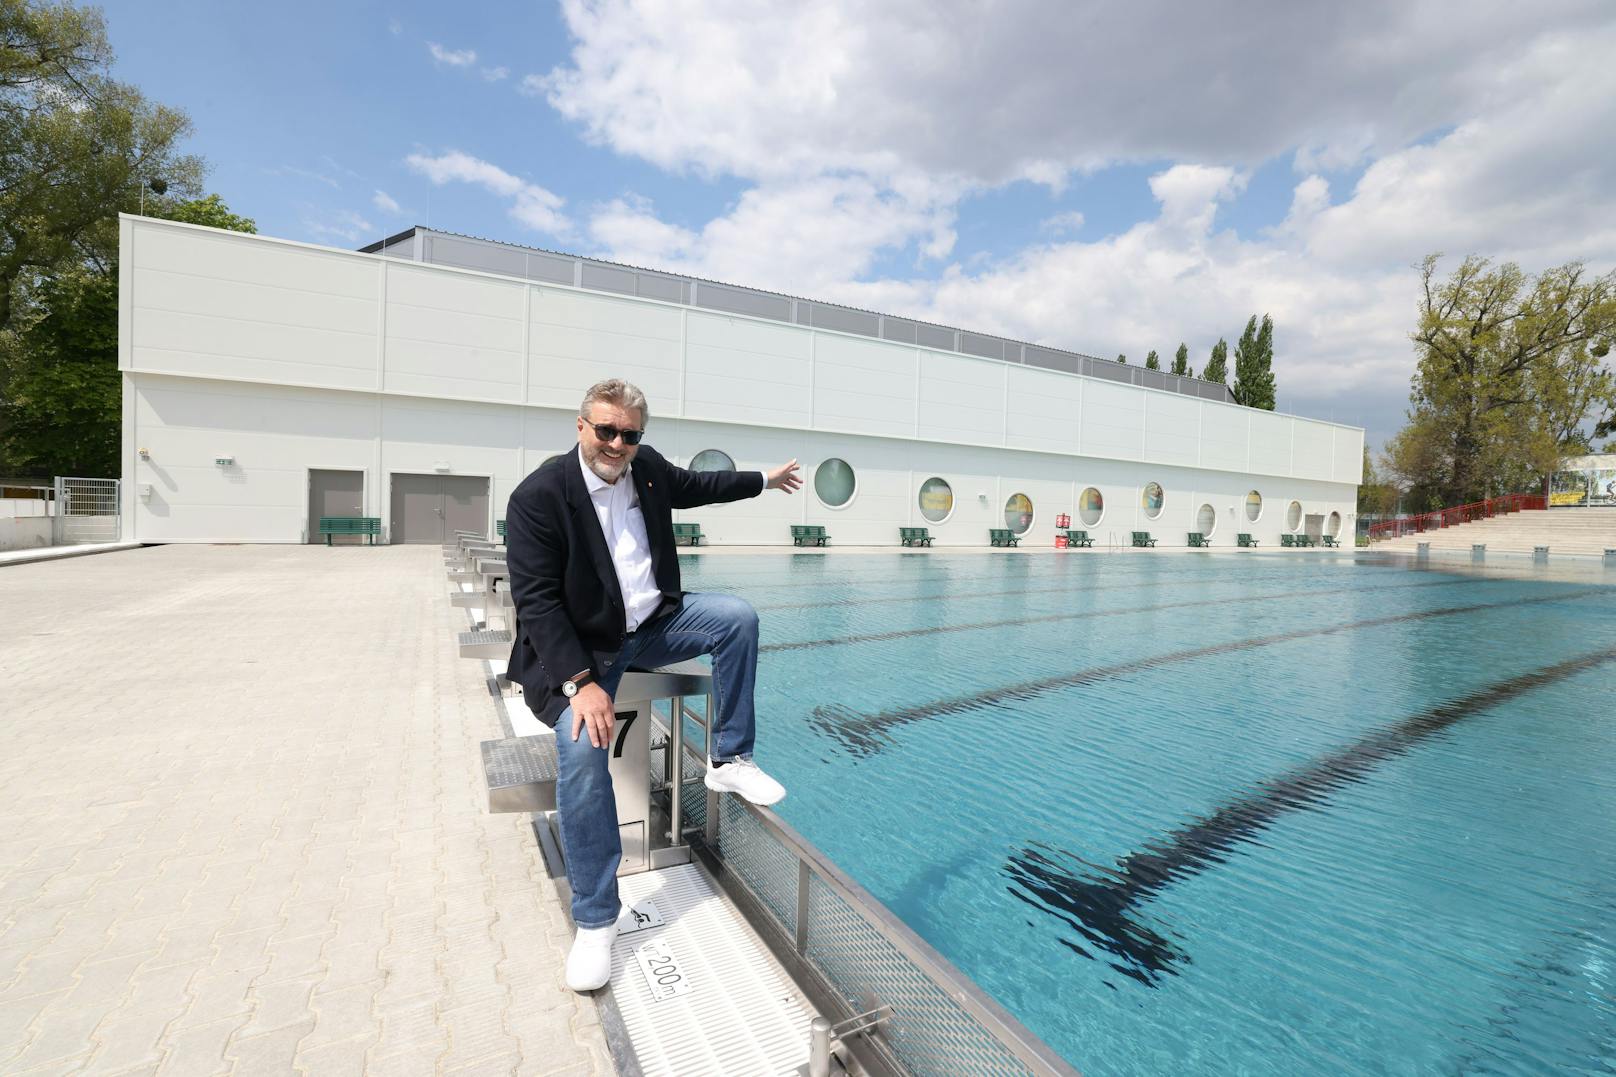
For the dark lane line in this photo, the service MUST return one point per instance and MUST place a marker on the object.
(1049, 618)
(866, 735)
(1098, 907)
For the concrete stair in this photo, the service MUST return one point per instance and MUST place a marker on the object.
(1582, 531)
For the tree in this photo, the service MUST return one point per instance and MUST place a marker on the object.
(77, 145)
(1510, 370)
(1217, 367)
(1122, 358)
(60, 389)
(63, 400)
(1152, 362)
(1375, 496)
(1253, 365)
(1181, 361)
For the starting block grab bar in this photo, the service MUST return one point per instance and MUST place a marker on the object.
(521, 771)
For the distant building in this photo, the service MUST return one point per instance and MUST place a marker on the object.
(1585, 480)
(267, 383)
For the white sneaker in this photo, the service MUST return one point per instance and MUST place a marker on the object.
(589, 962)
(746, 778)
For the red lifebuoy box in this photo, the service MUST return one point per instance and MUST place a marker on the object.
(1060, 542)
(1063, 521)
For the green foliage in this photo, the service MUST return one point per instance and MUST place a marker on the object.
(1253, 365)
(1374, 495)
(1121, 358)
(77, 146)
(60, 390)
(211, 211)
(1151, 361)
(1510, 372)
(1217, 367)
(1181, 360)
(63, 398)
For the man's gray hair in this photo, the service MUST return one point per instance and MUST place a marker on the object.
(625, 395)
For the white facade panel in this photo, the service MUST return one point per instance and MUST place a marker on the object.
(1113, 422)
(1046, 410)
(743, 370)
(1172, 429)
(1348, 455)
(1312, 451)
(454, 336)
(864, 385)
(576, 340)
(1225, 433)
(961, 399)
(1270, 442)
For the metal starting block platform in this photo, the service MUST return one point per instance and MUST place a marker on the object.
(485, 642)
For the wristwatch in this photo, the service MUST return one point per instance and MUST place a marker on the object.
(569, 688)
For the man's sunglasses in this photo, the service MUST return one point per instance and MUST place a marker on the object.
(610, 433)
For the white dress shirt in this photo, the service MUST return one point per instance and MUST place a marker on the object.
(617, 506)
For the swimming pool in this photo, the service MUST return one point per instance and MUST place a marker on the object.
(1207, 813)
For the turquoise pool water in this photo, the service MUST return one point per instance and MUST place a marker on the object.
(1212, 814)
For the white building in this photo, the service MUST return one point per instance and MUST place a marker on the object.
(268, 382)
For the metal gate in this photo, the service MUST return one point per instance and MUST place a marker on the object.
(87, 510)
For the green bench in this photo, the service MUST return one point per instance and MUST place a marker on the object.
(1303, 540)
(1332, 542)
(687, 535)
(1244, 539)
(1142, 539)
(370, 526)
(914, 536)
(1002, 536)
(1198, 539)
(808, 535)
(1075, 539)
(499, 526)
(1288, 541)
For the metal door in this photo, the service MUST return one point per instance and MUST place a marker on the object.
(429, 508)
(1314, 526)
(465, 504)
(335, 493)
(417, 504)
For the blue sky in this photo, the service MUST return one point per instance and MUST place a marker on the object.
(1090, 176)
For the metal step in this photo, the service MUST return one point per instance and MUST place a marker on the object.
(485, 643)
(468, 599)
(462, 576)
(521, 773)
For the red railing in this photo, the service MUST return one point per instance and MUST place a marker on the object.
(1459, 514)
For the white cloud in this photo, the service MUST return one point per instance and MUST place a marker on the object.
(395, 27)
(386, 203)
(451, 57)
(495, 74)
(530, 204)
(1062, 223)
(343, 226)
(860, 129)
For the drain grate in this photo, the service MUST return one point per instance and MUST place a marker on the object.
(718, 1003)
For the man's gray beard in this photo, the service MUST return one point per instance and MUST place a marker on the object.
(598, 466)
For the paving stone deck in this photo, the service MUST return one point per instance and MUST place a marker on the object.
(242, 827)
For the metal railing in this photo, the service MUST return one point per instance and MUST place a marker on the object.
(1459, 514)
(848, 952)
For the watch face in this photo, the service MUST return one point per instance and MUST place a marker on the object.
(569, 689)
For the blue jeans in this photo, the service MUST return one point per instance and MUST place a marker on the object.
(720, 625)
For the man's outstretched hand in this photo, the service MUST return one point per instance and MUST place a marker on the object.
(785, 477)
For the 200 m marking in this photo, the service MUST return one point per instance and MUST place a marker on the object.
(662, 971)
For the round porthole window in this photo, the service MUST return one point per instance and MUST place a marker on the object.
(712, 460)
(936, 499)
(834, 482)
(1253, 506)
(1018, 514)
(1293, 516)
(1332, 525)
(1206, 520)
(1151, 499)
(1090, 507)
